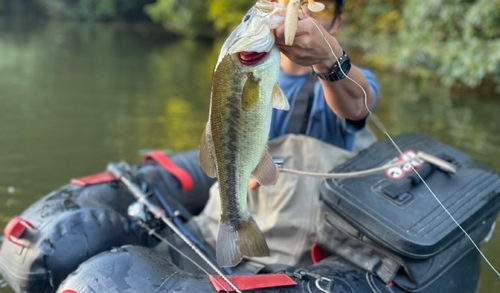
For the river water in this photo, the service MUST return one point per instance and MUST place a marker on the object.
(74, 97)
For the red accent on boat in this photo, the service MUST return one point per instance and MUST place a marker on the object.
(184, 177)
(93, 179)
(251, 58)
(252, 282)
(69, 291)
(317, 253)
(15, 228)
(390, 284)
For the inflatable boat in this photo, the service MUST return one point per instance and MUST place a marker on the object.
(380, 233)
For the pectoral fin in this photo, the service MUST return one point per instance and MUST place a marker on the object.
(279, 100)
(207, 155)
(250, 94)
(266, 172)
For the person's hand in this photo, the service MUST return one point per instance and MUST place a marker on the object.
(253, 184)
(309, 47)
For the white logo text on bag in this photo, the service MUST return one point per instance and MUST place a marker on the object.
(399, 172)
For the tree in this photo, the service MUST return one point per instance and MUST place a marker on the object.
(457, 40)
(189, 17)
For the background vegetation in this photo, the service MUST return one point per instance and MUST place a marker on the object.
(93, 10)
(457, 41)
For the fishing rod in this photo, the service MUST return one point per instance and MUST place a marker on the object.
(117, 171)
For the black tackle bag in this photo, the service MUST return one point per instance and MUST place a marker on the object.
(391, 225)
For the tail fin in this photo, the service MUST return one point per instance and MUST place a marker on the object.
(238, 239)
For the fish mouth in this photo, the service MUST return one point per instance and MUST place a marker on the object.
(251, 58)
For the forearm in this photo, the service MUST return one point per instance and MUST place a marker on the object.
(345, 97)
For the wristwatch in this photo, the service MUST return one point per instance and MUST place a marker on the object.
(336, 74)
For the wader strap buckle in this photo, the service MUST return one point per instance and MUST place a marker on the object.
(279, 161)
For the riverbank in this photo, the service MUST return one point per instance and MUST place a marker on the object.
(383, 53)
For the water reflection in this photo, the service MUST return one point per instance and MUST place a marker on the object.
(182, 80)
(464, 120)
(75, 96)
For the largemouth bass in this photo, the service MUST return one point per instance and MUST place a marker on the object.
(233, 145)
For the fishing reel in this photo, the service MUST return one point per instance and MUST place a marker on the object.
(138, 212)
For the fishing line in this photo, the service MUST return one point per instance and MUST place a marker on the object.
(384, 130)
(162, 239)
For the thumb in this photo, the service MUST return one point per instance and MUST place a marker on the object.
(302, 24)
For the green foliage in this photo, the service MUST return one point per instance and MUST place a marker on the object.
(186, 16)
(194, 17)
(373, 17)
(457, 40)
(226, 15)
(80, 9)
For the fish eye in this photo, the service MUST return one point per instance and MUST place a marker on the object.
(247, 17)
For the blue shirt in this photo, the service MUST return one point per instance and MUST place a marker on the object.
(323, 123)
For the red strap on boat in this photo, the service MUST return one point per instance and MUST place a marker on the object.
(252, 282)
(15, 228)
(184, 178)
(317, 253)
(93, 179)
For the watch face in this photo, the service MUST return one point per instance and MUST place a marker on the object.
(346, 66)
(336, 73)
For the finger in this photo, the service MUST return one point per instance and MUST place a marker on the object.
(303, 27)
(253, 184)
(280, 43)
(300, 44)
(302, 15)
(280, 38)
(279, 32)
(304, 42)
(283, 49)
